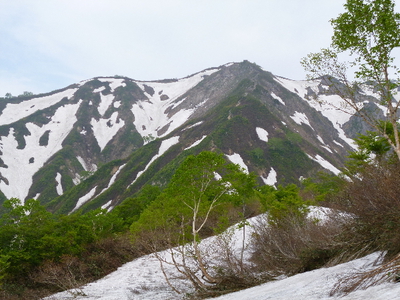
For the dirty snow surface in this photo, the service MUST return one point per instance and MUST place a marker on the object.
(142, 279)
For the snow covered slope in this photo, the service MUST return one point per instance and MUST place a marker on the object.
(28, 143)
(270, 125)
(142, 279)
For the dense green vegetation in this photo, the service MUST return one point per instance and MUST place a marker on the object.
(32, 239)
(36, 244)
(204, 197)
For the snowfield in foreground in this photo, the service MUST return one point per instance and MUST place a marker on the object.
(318, 284)
(142, 279)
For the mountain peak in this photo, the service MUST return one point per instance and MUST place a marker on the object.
(104, 124)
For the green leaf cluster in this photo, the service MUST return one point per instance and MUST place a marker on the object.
(201, 190)
(30, 235)
(281, 201)
(370, 29)
(372, 148)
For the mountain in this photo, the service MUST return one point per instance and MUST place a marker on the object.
(98, 142)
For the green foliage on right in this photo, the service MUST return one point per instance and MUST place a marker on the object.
(372, 149)
(369, 30)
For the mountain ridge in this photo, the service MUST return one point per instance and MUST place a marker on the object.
(98, 142)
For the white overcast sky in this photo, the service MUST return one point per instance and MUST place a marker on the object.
(49, 44)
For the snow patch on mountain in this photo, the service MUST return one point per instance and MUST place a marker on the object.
(237, 159)
(107, 206)
(193, 125)
(16, 111)
(331, 106)
(323, 144)
(165, 145)
(143, 279)
(114, 82)
(300, 118)
(196, 142)
(30, 159)
(317, 285)
(298, 87)
(150, 115)
(83, 163)
(59, 187)
(82, 200)
(105, 103)
(105, 129)
(325, 164)
(277, 98)
(271, 178)
(100, 89)
(112, 180)
(262, 134)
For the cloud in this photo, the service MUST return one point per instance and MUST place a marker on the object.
(56, 43)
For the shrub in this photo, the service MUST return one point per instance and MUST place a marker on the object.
(294, 243)
(373, 200)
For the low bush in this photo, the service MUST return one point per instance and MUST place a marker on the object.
(372, 198)
(294, 243)
(37, 247)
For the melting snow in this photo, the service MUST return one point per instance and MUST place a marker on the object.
(262, 134)
(317, 285)
(165, 145)
(59, 186)
(83, 163)
(77, 179)
(105, 103)
(100, 89)
(300, 118)
(193, 125)
(196, 143)
(337, 143)
(331, 106)
(150, 114)
(325, 164)
(105, 129)
(271, 178)
(14, 112)
(142, 279)
(327, 149)
(107, 206)
(30, 159)
(277, 98)
(114, 82)
(112, 180)
(237, 159)
(324, 145)
(82, 200)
